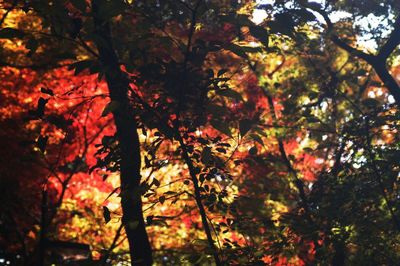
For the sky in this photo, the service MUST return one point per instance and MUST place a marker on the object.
(366, 23)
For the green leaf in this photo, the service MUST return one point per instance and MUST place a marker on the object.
(230, 93)
(9, 33)
(106, 214)
(110, 107)
(222, 127)
(217, 110)
(244, 126)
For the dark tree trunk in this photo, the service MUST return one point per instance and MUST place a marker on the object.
(339, 255)
(126, 126)
(43, 229)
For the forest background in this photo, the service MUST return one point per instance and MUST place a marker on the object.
(200, 132)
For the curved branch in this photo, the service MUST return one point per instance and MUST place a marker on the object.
(378, 62)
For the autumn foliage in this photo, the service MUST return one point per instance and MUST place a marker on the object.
(199, 133)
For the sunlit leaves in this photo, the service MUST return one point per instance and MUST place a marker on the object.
(235, 106)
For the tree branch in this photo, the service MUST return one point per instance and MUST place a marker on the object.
(392, 42)
(378, 62)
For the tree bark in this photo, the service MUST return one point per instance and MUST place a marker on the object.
(126, 130)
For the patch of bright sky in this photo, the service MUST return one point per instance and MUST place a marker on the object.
(367, 23)
(259, 15)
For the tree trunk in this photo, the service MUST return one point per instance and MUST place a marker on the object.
(43, 228)
(339, 255)
(126, 126)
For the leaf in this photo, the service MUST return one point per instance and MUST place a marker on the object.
(156, 182)
(222, 127)
(81, 65)
(244, 126)
(106, 214)
(47, 91)
(89, 211)
(40, 107)
(9, 33)
(260, 33)
(31, 45)
(257, 138)
(110, 107)
(112, 193)
(370, 102)
(221, 150)
(312, 119)
(230, 93)
(253, 150)
(159, 222)
(283, 24)
(161, 199)
(242, 50)
(206, 155)
(221, 72)
(42, 142)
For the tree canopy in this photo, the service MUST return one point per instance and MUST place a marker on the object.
(199, 132)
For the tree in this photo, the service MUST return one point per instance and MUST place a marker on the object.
(235, 143)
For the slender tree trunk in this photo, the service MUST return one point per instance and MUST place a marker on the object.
(126, 126)
(199, 203)
(43, 229)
